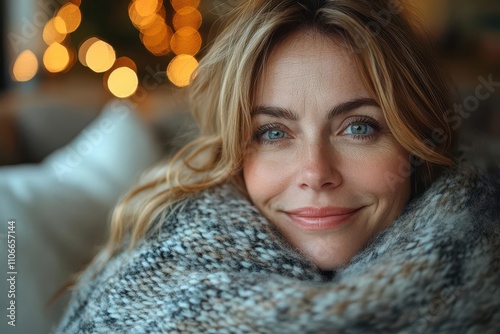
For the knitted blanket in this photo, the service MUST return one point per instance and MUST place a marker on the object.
(216, 266)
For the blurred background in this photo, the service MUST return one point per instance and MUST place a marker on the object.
(62, 60)
(91, 95)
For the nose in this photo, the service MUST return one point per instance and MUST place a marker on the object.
(319, 169)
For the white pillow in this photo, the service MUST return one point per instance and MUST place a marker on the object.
(61, 207)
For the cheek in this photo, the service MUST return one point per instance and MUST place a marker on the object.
(264, 177)
(385, 174)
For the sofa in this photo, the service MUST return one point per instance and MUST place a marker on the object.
(59, 210)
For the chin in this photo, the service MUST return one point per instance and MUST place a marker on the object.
(330, 262)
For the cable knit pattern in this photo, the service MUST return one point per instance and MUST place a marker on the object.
(216, 267)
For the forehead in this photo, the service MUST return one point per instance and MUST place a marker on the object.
(310, 61)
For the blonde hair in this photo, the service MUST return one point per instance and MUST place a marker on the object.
(396, 65)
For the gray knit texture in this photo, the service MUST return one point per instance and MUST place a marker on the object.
(217, 267)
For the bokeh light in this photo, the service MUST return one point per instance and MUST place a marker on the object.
(146, 7)
(71, 15)
(100, 56)
(186, 41)
(25, 67)
(180, 70)
(84, 48)
(145, 22)
(120, 62)
(192, 19)
(183, 6)
(158, 43)
(124, 62)
(123, 82)
(54, 31)
(156, 27)
(56, 58)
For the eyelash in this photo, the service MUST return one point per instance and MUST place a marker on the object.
(368, 121)
(261, 130)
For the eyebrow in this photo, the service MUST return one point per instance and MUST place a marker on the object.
(350, 105)
(339, 109)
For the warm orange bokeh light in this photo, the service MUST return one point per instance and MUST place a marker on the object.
(84, 48)
(25, 66)
(180, 70)
(100, 56)
(159, 50)
(178, 5)
(156, 28)
(123, 82)
(56, 58)
(145, 22)
(193, 19)
(157, 35)
(125, 62)
(71, 15)
(147, 7)
(159, 43)
(54, 31)
(186, 41)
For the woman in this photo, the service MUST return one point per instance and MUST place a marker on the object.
(322, 194)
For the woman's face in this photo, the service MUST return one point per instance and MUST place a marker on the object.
(322, 166)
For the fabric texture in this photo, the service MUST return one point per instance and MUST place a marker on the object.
(217, 267)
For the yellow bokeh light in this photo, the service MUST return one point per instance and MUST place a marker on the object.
(180, 70)
(60, 25)
(145, 22)
(120, 62)
(71, 15)
(84, 48)
(123, 82)
(100, 56)
(125, 62)
(147, 7)
(54, 31)
(193, 19)
(186, 41)
(178, 5)
(56, 58)
(25, 66)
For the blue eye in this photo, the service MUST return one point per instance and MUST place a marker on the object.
(273, 134)
(270, 134)
(359, 129)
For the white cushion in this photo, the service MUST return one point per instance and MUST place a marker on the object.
(61, 209)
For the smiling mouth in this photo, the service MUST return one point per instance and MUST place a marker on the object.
(319, 219)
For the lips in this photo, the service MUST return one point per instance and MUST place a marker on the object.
(316, 219)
